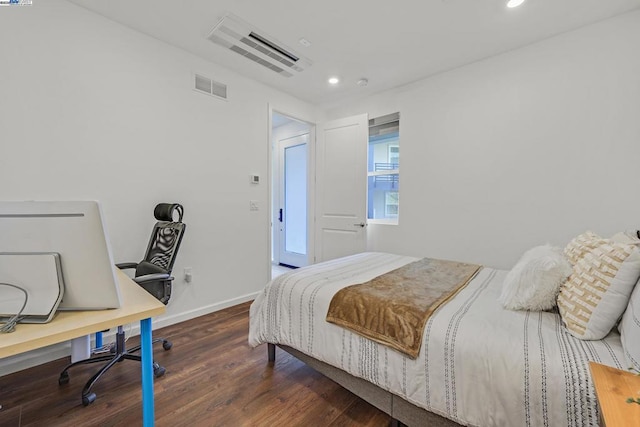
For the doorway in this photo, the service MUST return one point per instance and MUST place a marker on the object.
(290, 191)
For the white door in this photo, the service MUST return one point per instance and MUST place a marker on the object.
(341, 188)
(292, 212)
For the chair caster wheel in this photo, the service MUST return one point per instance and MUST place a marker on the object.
(167, 345)
(158, 370)
(88, 399)
(63, 379)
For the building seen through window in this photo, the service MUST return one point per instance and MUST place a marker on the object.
(384, 168)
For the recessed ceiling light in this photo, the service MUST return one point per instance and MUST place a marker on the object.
(363, 82)
(514, 3)
(334, 80)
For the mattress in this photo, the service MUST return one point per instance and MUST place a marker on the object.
(479, 364)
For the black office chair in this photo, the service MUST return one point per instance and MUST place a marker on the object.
(153, 273)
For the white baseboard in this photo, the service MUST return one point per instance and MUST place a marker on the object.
(16, 363)
(37, 357)
(188, 315)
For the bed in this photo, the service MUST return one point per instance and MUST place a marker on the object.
(479, 364)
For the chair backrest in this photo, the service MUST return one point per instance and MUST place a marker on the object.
(166, 236)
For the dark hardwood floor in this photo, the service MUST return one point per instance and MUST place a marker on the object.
(213, 378)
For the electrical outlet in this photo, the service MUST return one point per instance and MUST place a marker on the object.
(188, 274)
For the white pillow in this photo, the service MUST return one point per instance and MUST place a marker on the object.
(629, 237)
(630, 329)
(534, 282)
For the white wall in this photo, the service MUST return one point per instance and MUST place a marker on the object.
(91, 109)
(532, 146)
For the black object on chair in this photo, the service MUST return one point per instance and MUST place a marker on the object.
(153, 273)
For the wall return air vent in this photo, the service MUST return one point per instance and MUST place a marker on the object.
(209, 86)
(235, 34)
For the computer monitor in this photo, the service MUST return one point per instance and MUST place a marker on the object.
(75, 230)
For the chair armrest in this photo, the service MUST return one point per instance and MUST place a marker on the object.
(126, 265)
(152, 278)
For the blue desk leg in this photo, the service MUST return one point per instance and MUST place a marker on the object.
(148, 416)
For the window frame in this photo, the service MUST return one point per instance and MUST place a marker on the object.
(391, 219)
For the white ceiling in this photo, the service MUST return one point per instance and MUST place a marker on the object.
(390, 43)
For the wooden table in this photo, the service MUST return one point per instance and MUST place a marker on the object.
(613, 387)
(137, 304)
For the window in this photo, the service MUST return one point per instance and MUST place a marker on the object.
(383, 169)
(394, 154)
(391, 204)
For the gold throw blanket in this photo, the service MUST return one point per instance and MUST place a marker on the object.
(393, 309)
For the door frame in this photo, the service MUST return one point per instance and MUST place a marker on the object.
(311, 190)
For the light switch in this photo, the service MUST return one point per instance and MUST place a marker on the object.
(253, 205)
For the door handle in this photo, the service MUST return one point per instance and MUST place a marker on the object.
(362, 224)
(280, 215)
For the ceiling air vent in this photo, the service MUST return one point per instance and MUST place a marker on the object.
(235, 34)
(209, 86)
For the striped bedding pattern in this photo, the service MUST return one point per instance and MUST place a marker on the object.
(479, 365)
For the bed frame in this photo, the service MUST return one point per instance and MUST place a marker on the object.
(402, 412)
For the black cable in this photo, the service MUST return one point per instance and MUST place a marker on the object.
(10, 325)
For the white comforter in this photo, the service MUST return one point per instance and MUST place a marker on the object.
(479, 364)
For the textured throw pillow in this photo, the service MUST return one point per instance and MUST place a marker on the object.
(533, 283)
(598, 290)
(582, 244)
(630, 329)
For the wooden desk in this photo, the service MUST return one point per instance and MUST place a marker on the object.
(137, 304)
(613, 387)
